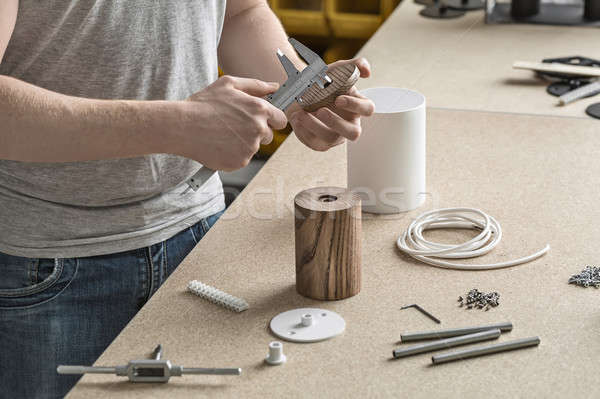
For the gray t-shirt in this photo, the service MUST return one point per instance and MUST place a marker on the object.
(108, 49)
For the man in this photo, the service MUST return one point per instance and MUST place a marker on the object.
(106, 109)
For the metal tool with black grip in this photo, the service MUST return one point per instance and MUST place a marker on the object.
(314, 87)
(147, 370)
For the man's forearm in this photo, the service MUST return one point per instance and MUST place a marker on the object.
(37, 125)
(250, 38)
(251, 35)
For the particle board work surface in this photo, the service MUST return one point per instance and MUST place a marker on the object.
(464, 63)
(536, 175)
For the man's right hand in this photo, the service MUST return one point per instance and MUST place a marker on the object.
(223, 125)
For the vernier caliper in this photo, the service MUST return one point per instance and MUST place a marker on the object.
(292, 90)
(147, 370)
(298, 82)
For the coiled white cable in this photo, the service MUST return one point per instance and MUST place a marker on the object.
(217, 296)
(414, 244)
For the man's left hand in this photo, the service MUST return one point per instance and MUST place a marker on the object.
(324, 128)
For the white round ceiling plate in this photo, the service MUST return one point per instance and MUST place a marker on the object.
(325, 324)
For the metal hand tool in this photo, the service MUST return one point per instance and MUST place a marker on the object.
(454, 332)
(293, 88)
(587, 90)
(420, 309)
(446, 343)
(147, 370)
(299, 81)
(485, 350)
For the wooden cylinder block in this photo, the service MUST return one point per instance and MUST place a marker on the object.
(343, 77)
(328, 243)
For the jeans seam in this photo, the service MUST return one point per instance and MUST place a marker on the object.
(150, 265)
(30, 271)
(194, 235)
(140, 253)
(165, 260)
(156, 273)
(36, 271)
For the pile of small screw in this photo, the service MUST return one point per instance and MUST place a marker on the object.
(590, 276)
(480, 300)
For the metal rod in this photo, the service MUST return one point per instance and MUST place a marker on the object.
(186, 370)
(85, 369)
(446, 343)
(454, 332)
(485, 350)
(420, 309)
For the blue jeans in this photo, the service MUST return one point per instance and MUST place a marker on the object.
(67, 311)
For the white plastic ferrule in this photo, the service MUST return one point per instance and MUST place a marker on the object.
(276, 355)
(307, 320)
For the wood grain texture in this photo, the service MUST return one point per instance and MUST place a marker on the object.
(328, 243)
(343, 78)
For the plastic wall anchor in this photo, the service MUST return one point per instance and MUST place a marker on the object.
(275, 355)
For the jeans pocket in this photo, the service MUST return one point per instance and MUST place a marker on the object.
(31, 281)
